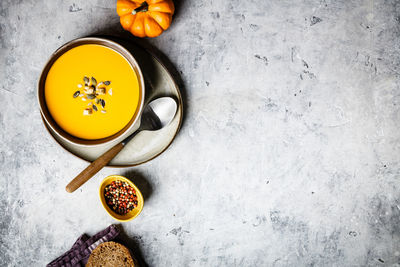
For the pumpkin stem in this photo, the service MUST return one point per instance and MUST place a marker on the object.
(142, 8)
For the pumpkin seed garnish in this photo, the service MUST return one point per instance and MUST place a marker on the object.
(91, 91)
(87, 111)
(88, 90)
(86, 80)
(101, 91)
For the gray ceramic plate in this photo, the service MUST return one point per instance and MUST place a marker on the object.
(146, 145)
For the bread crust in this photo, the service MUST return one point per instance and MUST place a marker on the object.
(110, 254)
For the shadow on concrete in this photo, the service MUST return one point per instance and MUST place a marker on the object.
(141, 182)
(133, 243)
(176, 75)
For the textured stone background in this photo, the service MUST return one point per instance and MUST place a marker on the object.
(288, 155)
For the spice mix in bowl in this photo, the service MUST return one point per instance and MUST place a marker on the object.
(120, 198)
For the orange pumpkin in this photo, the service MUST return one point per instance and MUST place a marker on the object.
(145, 18)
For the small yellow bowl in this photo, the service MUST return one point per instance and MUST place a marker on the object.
(133, 213)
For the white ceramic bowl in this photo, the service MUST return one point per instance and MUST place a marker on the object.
(124, 132)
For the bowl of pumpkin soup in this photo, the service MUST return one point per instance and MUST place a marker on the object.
(91, 91)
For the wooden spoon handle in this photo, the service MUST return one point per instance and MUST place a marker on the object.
(93, 168)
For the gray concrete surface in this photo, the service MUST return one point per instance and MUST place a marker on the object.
(288, 155)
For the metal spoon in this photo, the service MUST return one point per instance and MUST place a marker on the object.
(156, 115)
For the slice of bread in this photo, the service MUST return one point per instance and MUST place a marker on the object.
(110, 254)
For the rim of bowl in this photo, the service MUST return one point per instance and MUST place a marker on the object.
(42, 101)
(105, 206)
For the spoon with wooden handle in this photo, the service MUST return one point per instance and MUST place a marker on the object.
(156, 115)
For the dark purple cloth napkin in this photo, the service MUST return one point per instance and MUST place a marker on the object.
(79, 253)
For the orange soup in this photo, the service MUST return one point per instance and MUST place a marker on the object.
(92, 91)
